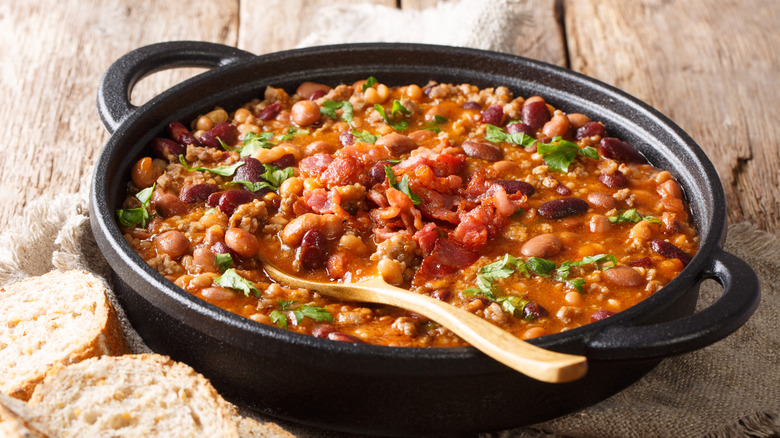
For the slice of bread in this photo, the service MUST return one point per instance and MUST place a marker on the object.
(137, 395)
(16, 420)
(57, 318)
(249, 428)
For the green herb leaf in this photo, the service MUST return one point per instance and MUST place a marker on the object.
(131, 216)
(398, 107)
(513, 305)
(559, 154)
(502, 268)
(402, 186)
(540, 266)
(253, 142)
(223, 261)
(232, 280)
(279, 318)
(495, 134)
(632, 216)
(228, 170)
(298, 312)
(315, 312)
(254, 186)
(329, 107)
(433, 125)
(292, 131)
(399, 126)
(276, 176)
(369, 83)
(224, 145)
(364, 136)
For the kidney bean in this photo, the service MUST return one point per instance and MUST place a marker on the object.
(514, 128)
(494, 115)
(621, 151)
(343, 337)
(270, 112)
(482, 149)
(317, 94)
(250, 171)
(513, 186)
(162, 147)
(284, 161)
(377, 171)
(173, 243)
(644, 262)
(168, 204)
(615, 180)
(221, 131)
(322, 330)
(396, 143)
(307, 89)
(590, 129)
(601, 314)
(623, 276)
(560, 208)
(305, 113)
(472, 106)
(220, 248)
(233, 198)
(535, 114)
(346, 138)
(313, 251)
(441, 294)
(601, 200)
(562, 190)
(181, 134)
(213, 199)
(242, 242)
(532, 311)
(543, 245)
(670, 251)
(198, 192)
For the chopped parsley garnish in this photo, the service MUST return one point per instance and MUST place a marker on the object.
(370, 82)
(402, 186)
(253, 142)
(228, 170)
(232, 280)
(329, 108)
(279, 317)
(273, 176)
(559, 154)
(292, 131)
(223, 261)
(364, 136)
(433, 125)
(495, 134)
(397, 108)
(633, 216)
(131, 216)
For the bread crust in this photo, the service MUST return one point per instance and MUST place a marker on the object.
(28, 350)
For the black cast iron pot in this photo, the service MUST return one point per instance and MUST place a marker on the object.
(412, 391)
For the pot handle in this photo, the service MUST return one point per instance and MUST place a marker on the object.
(113, 99)
(740, 299)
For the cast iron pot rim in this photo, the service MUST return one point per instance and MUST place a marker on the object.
(125, 261)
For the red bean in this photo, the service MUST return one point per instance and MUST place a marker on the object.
(560, 208)
(322, 330)
(221, 131)
(562, 190)
(220, 248)
(343, 337)
(535, 114)
(377, 172)
(269, 112)
(532, 311)
(284, 161)
(181, 134)
(346, 138)
(441, 294)
(601, 314)
(513, 186)
(213, 199)
(494, 115)
(614, 181)
(514, 128)
(233, 198)
(590, 129)
(482, 149)
(162, 147)
(198, 192)
(670, 251)
(250, 171)
(471, 106)
(317, 94)
(313, 251)
(621, 151)
(644, 262)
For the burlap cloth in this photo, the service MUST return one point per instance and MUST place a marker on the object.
(731, 388)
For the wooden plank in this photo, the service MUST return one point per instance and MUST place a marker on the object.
(54, 55)
(710, 68)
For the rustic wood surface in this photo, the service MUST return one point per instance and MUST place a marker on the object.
(711, 66)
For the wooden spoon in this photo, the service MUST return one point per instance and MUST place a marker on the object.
(533, 361)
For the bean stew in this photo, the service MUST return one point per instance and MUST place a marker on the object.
(530, 217)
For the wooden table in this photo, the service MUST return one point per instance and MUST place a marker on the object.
(711, 66)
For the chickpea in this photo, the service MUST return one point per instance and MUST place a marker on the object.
(291, 186)
(413, 92)
(242, 242)
(372, 96)
(145, 173)
(305, 112)
(242, 115)
(173, 243)
(392, 271)
(203, 123)
(573, 299)
(217, 116)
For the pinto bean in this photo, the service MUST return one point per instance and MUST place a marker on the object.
(623, 276)
(621, 151)
(397, 144)
(601, 201)
(557, 126)
(168, 204)
(670, 189)
(293, 232)
(305, 112)
(173, 243)
(343, 337)
(216, 293)
(145, 173)
(482, 149)
(599, 224)
(242, 242)
(543, 245)
(306, 89)
(204, 258)
(577, 120)
(560, 208)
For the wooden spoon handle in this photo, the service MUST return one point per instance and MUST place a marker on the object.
(533, 361)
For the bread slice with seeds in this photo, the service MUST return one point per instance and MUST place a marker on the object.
(16, 420)
(58, 318)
